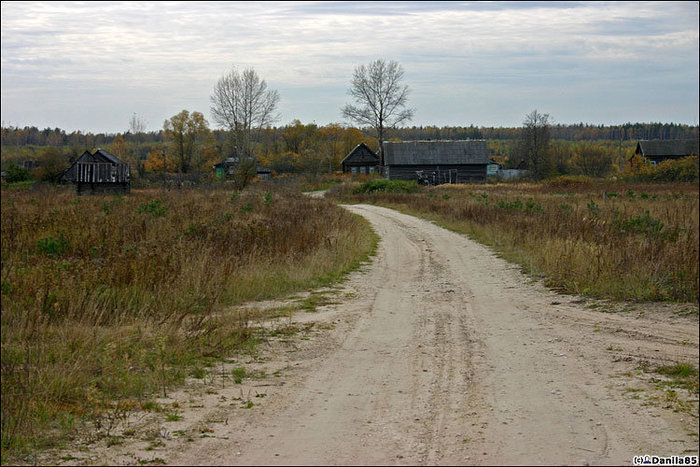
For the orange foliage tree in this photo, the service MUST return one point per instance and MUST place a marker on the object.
(158, 161)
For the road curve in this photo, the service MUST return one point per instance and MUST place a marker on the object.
(456, 358)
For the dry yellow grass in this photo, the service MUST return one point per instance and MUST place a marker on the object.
(108, 300)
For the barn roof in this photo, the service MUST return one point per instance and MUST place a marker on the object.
(667, 147)
(103, 156)
(361, 153)
(85, 157)
(436, 152)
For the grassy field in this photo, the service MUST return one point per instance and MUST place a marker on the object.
(108, 301)
(618, 240)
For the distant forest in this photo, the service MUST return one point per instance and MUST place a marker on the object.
(14, 136)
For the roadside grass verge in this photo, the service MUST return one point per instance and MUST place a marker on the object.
(681, 375)
(111, 301)
(677, 386)
(617, 240)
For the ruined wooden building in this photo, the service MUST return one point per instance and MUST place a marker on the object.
(98, 172)
(435, 162)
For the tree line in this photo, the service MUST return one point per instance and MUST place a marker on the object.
(26, 136)
(33, 136)
(244, 108)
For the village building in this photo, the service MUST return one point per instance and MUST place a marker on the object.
(435, 162)
(263, 173)
(492, 168)
(511, 173)
(658, 150)
(361, 160)
(227, 168)
(98, 172)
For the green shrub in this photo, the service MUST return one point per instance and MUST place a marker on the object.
(567, 181)
(156, 208)
(593, 208)
(517, 204)
(387, 186)
(532, 206)
(645, 224)
(15, 173)
(52, 246)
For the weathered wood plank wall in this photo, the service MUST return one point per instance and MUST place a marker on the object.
(464, 173)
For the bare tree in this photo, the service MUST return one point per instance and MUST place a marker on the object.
(534, 143)
(242, 103)
(136, 124)
(380, 98)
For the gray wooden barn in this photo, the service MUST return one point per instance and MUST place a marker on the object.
(435, 162)
(98, 172)
(658, 150)
(361, 160)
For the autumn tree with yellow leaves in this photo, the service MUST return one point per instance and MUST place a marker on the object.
(158, 161)
(190, 141)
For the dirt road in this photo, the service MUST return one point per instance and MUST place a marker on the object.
(442, 353)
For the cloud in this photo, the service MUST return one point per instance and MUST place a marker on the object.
(170, 54)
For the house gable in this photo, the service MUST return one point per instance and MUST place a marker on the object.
(361, 155)
(361, 160)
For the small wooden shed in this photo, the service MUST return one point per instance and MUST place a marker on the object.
(263, 173)
(361, 160)
(98, 172)
(657, 150)
(227, 168)
(436, 162)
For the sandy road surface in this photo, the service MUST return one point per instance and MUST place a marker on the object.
(446, 354)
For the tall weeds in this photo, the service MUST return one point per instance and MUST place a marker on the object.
(109, 299)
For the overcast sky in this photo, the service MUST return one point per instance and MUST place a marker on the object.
(91, 65)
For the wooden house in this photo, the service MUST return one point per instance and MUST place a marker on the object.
(98, 172)
(361, 160)
(657, 150)
(435, 162)
(227, 168)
